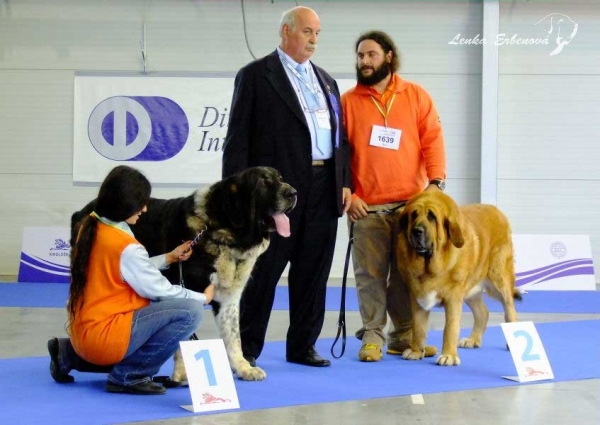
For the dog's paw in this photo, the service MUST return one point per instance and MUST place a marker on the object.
(469, 343)
(249, 373)
(179, 376)
(430, 351)
(448, 360)
(409, 354)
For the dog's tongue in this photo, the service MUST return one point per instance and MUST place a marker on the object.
(282, 223)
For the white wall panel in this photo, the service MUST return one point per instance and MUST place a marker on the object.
(548, 127)
(36, 122)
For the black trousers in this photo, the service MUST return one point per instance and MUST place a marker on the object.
(309, 251)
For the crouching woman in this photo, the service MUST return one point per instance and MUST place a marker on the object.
(125, 317)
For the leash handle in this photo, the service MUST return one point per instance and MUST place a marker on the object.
(195, 240)
(192, 244)
(342, 318)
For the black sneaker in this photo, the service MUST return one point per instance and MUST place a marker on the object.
(57, 374)
(143, 388)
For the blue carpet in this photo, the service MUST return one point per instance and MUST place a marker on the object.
(56, 294)
(30, 396)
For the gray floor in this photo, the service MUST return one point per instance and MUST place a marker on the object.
(25, 331)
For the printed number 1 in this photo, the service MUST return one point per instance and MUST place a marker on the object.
(204, 355)
(527, 356)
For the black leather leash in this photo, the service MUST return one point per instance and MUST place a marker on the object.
(341, 323)
(342, 317)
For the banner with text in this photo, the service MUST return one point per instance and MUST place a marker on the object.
(170, 128)
(45, 255)
(554, 262)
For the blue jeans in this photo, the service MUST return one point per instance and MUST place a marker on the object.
(155, 334)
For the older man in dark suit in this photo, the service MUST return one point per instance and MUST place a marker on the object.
(285, 114)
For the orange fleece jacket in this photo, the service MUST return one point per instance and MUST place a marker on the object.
(381, 175)
(101, 330)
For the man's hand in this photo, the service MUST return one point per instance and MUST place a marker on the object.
(346, 198)
(358, 209)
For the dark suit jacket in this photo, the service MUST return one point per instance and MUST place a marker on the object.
(267, 126)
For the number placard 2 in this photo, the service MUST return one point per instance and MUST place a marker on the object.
(209, 376)
(527, 352)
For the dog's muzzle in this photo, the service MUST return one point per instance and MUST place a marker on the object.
(419, 241)
(290, 195)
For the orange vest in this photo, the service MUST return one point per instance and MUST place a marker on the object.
(101, 330)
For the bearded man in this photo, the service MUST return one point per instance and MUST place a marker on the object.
(396, 151)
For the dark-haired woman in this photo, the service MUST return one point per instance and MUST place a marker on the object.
(125, 317)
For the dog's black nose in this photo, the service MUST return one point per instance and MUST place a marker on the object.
(291, 194)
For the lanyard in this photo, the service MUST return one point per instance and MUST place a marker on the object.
(124, 228)
(387, 111)
(313, 87)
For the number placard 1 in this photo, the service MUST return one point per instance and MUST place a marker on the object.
(209, 376)
(527, 352)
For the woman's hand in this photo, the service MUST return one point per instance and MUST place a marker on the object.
(181, 253)
(209, 292)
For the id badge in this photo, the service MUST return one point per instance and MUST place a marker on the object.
(323, 119)
(385, 137)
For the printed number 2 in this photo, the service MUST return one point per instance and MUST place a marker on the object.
(527, 356)
(204, 355)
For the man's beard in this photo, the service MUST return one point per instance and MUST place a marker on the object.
(376, 76)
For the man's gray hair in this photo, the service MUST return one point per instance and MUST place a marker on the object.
(288, 18)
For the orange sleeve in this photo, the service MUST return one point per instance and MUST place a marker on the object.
(432, 137)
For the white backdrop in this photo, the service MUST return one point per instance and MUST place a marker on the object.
(547, 175)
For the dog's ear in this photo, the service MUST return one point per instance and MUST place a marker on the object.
(453, 229)
(403, 223)
(232, 205)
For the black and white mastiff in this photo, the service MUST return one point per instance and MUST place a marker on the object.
(237, 215)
